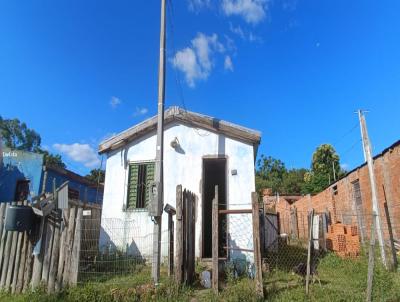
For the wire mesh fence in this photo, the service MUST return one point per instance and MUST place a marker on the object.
(113, 248)
(236, 241)
(334, 250)
(327, 249)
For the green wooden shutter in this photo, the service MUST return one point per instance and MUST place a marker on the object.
(132, 186)
(150, 174)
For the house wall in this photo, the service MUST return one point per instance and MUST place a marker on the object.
(180, 167)
(19, 165)
(86, 193)
(342, 207)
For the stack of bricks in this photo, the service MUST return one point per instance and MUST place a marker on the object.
(343, 240)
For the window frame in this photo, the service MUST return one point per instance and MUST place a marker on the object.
(127, 207)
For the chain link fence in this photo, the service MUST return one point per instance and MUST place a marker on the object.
(335, 252)
(116, 250)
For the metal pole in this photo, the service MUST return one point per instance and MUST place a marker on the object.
(159, 152)
(375, 205)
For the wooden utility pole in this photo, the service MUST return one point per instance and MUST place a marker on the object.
(375, 206)
(156, 205)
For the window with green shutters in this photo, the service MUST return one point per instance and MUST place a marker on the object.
(141, 175)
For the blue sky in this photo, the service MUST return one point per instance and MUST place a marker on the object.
(78, 71)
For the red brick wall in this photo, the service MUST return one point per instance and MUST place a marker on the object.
(341, 205)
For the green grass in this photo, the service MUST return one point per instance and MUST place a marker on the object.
(342, 280)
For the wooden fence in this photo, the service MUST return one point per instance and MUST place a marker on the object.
(25, 263)
(185, 236)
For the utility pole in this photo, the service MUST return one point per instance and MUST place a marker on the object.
(156, 204)
(334, 170)
(375, 206)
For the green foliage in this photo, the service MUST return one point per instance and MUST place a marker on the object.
(17, 135)
(325, 167)
(96, 175)
(272, 173)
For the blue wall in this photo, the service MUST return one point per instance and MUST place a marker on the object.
(86, 192)
(19, 165)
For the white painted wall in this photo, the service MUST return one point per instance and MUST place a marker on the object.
(183, 168)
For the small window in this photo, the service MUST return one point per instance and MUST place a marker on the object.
(334, 190)
(73, 194)
(140, 178)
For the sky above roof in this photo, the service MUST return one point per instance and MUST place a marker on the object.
(80, 71)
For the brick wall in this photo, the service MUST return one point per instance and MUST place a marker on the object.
(339, 200)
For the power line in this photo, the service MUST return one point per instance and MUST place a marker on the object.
(346, 134)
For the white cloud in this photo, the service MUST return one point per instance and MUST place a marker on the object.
(244, 34)
(196, 61)
(140, 111)
(196, 5)
(228, 65)
(115, 102)
(252, 11)
(81, 153)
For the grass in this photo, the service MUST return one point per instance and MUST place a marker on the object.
(342, 280)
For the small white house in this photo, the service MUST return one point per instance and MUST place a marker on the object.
(200, 152)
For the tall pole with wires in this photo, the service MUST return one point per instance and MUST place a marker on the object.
(375, 206)
(156, 204)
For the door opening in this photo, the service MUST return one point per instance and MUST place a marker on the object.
(214, 174)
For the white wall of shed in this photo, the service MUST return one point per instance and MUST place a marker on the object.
(183, 168)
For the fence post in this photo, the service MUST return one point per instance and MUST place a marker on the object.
(68, 247)
(6, 258)
(391, 237)
(55, 254)
(324, 228)
(63, 246)
(17, 264)
(76, 248)
(310, 248)
(256, 244)
(179, 236)
(215, 241)
(171, 212)
(371, 259)
(190, 233)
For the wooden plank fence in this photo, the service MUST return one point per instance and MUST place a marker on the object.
(56, 264)
(185, 236)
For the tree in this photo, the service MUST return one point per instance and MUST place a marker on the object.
(17, 135)
(272, 173)
(96, 176)
(52, 160)
(325, 167)
(293, 182)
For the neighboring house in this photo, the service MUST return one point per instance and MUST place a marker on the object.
(200, 152)
(23, 175)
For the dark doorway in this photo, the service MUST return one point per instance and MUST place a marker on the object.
(214, 174)
(22, 190)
